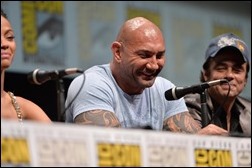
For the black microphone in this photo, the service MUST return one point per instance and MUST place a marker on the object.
(178, 92)
(40, 76)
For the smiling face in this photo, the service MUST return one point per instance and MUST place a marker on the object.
(8, 44)
(141, 62)
(230, 65)
(139, 56)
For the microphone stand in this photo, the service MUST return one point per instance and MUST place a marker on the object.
(204, 115)
(60, 99)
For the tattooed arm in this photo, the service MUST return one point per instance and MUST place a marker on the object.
(183, 122)
(99, 118)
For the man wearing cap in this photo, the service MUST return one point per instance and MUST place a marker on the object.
(227, 57)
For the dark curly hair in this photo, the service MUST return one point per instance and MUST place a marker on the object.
(3, 14)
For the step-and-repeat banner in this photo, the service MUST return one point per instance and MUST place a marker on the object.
(31, 144)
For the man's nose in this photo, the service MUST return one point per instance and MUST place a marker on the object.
(229, 74)
(153, 63)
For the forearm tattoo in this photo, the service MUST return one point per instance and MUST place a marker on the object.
(182, 122)
(99, 118)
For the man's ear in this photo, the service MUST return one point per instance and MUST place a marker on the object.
(204, 75)
(245, 82)
(116, 49)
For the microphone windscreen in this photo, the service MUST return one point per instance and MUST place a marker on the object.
(31, 76)
(168, 95)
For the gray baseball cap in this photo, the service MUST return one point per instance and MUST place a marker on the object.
(227, 40)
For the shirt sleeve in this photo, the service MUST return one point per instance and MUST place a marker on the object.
(94, 94)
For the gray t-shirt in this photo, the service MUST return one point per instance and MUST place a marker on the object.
(100, 91)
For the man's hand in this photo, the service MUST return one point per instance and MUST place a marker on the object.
(212, 129)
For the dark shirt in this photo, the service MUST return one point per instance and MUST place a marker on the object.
(240, 122)
(219, 119)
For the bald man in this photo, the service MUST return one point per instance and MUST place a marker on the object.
(127, 92)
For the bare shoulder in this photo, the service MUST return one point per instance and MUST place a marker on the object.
(182, 122)
(27, 105)
(32, 111)
(99, 118)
